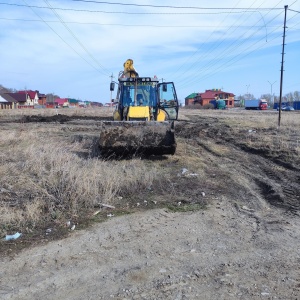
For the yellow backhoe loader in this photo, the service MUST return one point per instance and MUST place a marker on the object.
(144, 117)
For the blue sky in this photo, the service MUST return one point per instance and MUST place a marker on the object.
(72, 47)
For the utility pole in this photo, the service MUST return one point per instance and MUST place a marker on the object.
(272, 97)
(111, 80)
(247, 85)
(282, 60)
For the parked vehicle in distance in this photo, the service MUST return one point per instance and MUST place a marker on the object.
(286, 108)
(218, 104)
(258, 104)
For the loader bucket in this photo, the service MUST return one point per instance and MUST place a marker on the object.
(129, 138)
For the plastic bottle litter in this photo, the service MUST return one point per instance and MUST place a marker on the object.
(183, 171)
(13, 236)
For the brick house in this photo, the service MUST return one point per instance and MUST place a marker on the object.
(208, 95)
(42, 99)
(17, 100)
(190, 99)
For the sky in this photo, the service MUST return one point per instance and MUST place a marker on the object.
(74, 48)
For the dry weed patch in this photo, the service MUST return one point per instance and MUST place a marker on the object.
(43, 179)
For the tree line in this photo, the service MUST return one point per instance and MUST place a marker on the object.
(289, 97)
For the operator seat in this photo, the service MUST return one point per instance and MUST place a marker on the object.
(139, 99)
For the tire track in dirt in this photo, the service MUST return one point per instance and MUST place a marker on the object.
(276, 182)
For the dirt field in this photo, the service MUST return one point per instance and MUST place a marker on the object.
(226, 227)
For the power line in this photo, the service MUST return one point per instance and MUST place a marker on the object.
(195, 67)
(131, 25)
(241, 10)
(199, 69)
(65, 41)
(294, 10)
(76, 38)
(234, 59)
(195, 52)
(158, 6)
(214, 61)
(208, 66)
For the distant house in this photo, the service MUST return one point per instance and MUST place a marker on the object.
(209, 95)
(61, 102)
(84, 104)
(32, 97)
(87, 103)
(42, 99)
(17, 100)
(4, 104)
(190, 99)
(73, 102)
(23, 99)
(97, 104)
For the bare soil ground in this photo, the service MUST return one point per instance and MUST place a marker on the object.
(226, 227)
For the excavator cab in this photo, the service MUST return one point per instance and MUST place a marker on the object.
(145, 99)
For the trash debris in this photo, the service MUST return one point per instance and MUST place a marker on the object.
(49, 230)
(203, 194)
(179, 203)
(247, 208)
(73, 227)
(138, 204)
(154, 201)
(192, 174)
(186, 172)
(183, 171)
(110, 215)
(13, 236)
(107, 205)
(96, 212)
(68, 223)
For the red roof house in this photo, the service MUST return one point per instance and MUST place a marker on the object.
(214, 94)
(32, 96)
(60, 101)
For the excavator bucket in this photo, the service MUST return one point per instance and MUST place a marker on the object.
(130, 138)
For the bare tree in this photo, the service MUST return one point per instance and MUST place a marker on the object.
(296, 96)
(268, 97)
(289, 97)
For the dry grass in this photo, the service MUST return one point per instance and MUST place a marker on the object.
(42, 177)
